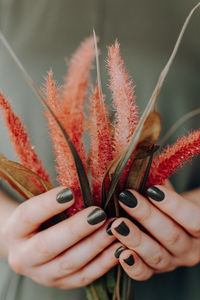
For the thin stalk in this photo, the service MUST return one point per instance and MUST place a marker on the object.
(98, 67)
(94, 292)
(146, 173)
(116, 294)
(178, 123)
(116, 204)
(118, 283)
(127, 283)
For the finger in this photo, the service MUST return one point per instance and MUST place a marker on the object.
(47, 244)
(94, 270)
(32, 213)
(134, 266)
(148, 249)
(184, 212)
(168, 185)
(161, 227)
(192, 195)
(79, 255)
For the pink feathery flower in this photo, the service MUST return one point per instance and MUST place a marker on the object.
(51, 92)
(101, 149)
(67, 175)
(20, 140)
(122, 89)
(173, 157)
(74, 94)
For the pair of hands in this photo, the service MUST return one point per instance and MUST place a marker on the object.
(80, 249)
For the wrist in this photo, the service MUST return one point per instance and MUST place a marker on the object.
(7, 208)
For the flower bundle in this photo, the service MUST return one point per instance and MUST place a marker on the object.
(121, 153)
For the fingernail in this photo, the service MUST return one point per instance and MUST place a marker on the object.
(128, 199)
(130, 260)
(96, 216)
(119, 251)
(155, 193)
(108, 229)
(64, 196)
(122, 229)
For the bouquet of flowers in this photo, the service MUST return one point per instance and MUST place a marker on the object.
(120, 155)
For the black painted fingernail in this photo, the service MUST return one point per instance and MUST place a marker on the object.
(128, 199)
(64, 196)
(129, 260)
(96, 216)
(119, 251)
(108, 229)
(122, 229)
(155, 193)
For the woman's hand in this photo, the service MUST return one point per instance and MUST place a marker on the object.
(67, 255)
(172, 237)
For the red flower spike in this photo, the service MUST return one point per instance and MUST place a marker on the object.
(51, 92)
(122, 89)
(20, 140)
(74, 94)
(65, 162)
(67, 175)
(173, 157)
(100, 149)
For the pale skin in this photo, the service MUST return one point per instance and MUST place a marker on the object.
(74, 253)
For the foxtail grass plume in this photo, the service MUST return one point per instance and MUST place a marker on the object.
(173, 157)
(122, 88)
(20, 140)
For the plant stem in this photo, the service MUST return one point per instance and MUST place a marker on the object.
(97, 290)
(118, 282)
(116, 293)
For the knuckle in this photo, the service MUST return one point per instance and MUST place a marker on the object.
(156, 260)
(168, 269)
(42, 247)
(15, 263)
(147, 276)
(173, 238)
(45, 281)
(67, 266)
(48, 283)
(146, 213)
(85, 280)
(159, 261)
(195, 228)
(140, 275)
(61, 285)
(192, 260)
(171, 268)
(137, 239)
